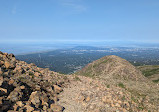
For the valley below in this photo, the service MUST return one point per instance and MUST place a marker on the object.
(70, 60)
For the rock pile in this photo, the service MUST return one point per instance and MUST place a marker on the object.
(93, 95)
(25, 87)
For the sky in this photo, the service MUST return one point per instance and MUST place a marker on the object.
(79, 20)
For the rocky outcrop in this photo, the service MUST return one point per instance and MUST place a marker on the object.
(25, 87)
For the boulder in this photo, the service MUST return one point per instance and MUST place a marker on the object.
(15, 106)
(56, 108)
(3, 90)
(22, 87)
(44, 107)
(29, 108)
(1, 79)
(20, 103)
(88, 99)
(35, 98)
(106, 99)
(1, 100)
(5, 54)
(7, 64)
(81, 98)
(49, 89)
(11, 55)
(37, 88)
(36, 74)
(57, 88)
(44, 99)
(1, 72)
(1, 63)
(15, 95)
(11, 81)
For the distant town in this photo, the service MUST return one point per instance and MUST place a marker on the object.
(69, 60)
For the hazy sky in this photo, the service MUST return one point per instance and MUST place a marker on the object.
(77, 20)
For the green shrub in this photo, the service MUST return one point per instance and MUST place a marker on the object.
(141, 108)
(123, 98)
(121, 85)
(156, 81)
(133, 99)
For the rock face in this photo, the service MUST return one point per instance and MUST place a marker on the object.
(24, 87)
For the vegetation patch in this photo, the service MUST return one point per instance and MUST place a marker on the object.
(77, 78)
(150, 72)
(134, 99)
(95, 65)
(123, 98)
(87, 74)
(141, 108)
(104, 61)
(156, 81)
(121, 85)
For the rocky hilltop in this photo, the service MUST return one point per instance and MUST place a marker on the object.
(112, 67)
(110, 84)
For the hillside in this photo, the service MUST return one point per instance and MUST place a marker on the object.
(28, 88)
(112, 67)
(115, 71)
(25, 87)
(151, 72)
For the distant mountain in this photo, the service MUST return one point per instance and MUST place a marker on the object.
(88, 48)
(84, 48)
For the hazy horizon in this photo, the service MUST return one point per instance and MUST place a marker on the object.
(34, 26)
(19, 48)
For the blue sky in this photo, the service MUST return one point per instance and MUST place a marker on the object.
(79, 20)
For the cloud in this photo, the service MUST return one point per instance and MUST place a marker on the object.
(74, 5)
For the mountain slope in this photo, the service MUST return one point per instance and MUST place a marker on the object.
(27, 88)
(115, 71)
(151, 72)
(112, 67)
